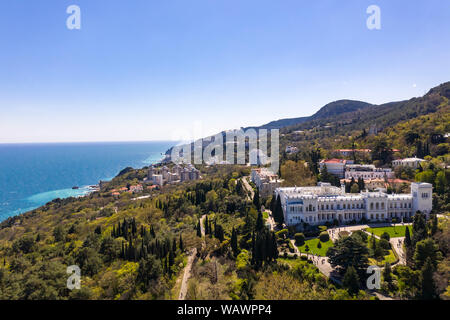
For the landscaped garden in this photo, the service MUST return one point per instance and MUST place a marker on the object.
(394, 231)
(312, 245)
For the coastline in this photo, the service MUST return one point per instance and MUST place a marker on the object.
(34, 201)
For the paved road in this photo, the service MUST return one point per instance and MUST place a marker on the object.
(320, 262)
(248, 187)
(397, 245)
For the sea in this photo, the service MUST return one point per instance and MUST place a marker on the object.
(33, 174)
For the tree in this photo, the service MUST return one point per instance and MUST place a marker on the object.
(385, 236)
(351, 281)
(381, 151)
(256, 200)
(296, 174)
(278, 214)
(419, 228)
(324, 236)
(434, 224)
(349, 251)
(428, 287)
(273, 202)
(234, 242)
(199, 230)
(259, 222)
(181, 245)
(407, 238)
(441, 182)
(426, 249)
(206, 225)
(149, 269)
(387, 272)
(299, 239)
(354, 188)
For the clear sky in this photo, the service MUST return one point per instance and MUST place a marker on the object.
(143, 69)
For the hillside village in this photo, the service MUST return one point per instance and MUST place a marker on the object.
(353, 190)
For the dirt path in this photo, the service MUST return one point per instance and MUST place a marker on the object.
(190, 262)
(187, 274)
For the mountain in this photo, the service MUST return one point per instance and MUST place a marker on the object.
(343, 116)
(375, 116)
(329, 110)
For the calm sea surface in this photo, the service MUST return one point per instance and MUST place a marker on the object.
(34, 174)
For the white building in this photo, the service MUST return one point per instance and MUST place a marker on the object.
(335, 166)
(158, 179)
(325, 203)
(367, 172)
(265, 180)
(177, 174)
(408, 162)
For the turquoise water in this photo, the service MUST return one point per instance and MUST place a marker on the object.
(33, 174)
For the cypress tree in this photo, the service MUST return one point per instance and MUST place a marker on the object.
(234, 242)
(272, 203)
(434, 224)
(171, 258)
(428, 289)
(180, 244)
(152, 232)
(387, 273)
(174, 245)
(407, 238)
(210, 230)
(256, 200)
(206, 226)
(278, 215)
(259, 222)
(253, 248)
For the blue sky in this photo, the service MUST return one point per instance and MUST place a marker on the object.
(142, 70)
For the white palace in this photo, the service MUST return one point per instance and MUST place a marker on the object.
(317, 205)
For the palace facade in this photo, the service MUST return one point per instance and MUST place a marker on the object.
(325, 203)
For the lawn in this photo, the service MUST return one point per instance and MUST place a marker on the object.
(388, 258)
(312, 244)
(394, 232)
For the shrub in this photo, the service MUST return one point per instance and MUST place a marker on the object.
(384, 244)
(385, 236)
(299, 239)
(324, 236)
(359, 233)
